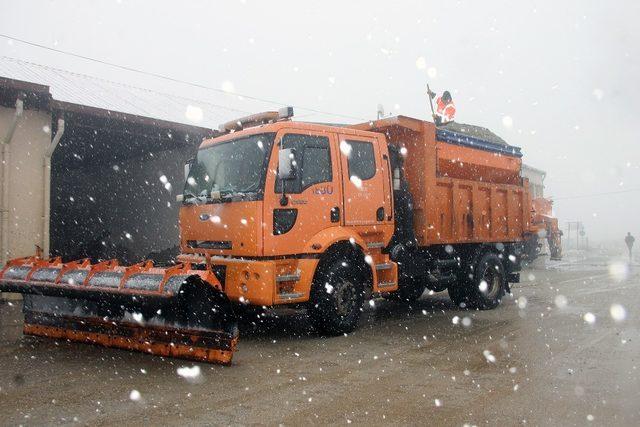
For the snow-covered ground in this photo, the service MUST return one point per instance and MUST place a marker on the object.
(562, 350)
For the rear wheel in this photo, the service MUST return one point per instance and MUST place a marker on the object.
(485, 289)
(337, 295)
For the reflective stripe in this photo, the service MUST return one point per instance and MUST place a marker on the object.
(386, 284)
(287, 278)
(448, 115)
(441, 111)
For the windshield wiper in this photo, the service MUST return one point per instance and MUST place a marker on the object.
(232, 194)
(224, 195)
(192, 199)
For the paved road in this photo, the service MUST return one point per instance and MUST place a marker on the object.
(532, 361)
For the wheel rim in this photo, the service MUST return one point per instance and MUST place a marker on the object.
(345, 298)
(492, 279)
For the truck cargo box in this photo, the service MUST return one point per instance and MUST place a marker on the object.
(465, 189)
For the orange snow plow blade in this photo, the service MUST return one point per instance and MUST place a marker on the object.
(175, 311)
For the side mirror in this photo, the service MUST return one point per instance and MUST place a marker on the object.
(286, 164)
(187, 167)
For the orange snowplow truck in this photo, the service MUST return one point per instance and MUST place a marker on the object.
(546, 227)
(278, 212)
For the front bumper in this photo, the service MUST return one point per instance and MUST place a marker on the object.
(262, 282)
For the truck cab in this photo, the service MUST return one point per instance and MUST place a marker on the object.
(268, 203)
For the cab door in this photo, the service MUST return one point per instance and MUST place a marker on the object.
(312, 200)
(365, 182)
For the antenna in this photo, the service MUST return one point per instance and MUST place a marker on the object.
(433, 113)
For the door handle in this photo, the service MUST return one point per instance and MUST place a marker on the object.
(335, 214)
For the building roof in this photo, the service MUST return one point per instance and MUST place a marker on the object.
(534, 170)
(76, 92)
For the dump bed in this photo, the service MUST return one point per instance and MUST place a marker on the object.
(465, 189)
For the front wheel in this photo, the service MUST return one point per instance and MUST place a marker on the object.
(337, 296)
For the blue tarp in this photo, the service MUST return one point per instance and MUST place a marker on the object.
(446, 135)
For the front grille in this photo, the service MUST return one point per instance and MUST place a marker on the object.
(209, 244)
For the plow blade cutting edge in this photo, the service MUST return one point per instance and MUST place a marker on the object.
(174, 311)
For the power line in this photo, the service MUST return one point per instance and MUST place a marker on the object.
(173, 79)
(584, 196)
(125, 85)
(254, 98)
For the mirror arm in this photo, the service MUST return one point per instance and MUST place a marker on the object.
(284, 200)
(187, 167)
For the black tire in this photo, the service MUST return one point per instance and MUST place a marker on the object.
(337, 295)
(485, 289)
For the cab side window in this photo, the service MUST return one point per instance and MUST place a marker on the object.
(362, 163)
(313, 162)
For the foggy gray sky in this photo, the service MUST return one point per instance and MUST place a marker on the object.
(565, 74)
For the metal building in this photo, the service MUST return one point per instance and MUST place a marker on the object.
(88, 165)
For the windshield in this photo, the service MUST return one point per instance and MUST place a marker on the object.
(236, 166)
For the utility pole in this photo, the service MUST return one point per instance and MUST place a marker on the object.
(579, 229)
